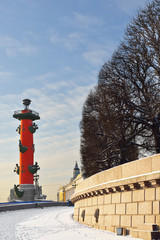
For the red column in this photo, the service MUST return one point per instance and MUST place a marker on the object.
(26, 158)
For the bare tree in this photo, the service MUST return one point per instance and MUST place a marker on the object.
(105, 137)
(121, 117)
(138, 62)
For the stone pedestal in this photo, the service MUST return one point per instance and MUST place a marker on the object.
(29, 193)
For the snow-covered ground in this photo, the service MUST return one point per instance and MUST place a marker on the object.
(52, 223)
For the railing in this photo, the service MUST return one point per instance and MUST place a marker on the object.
(31, 111)
(17, 112)
(35, 113)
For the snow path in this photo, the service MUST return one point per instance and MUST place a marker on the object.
(51, 223)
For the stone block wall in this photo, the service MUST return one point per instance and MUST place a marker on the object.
(126, 196)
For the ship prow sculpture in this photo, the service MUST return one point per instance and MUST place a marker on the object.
(26, 190)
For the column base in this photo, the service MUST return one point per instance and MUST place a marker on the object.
(28, 195)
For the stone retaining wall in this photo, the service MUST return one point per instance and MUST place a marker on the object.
(28, 205)
(126, 196)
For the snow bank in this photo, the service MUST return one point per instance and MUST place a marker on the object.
(48, 224)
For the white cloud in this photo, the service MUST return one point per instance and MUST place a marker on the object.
(6, 76)
(57, 85)
(43, 78)
(81, 26)
(71, 41)
(54, 36)
(81, 21)
(14, 47)
(130, 6)
(61, 105)
(95, 57)
(85, 22)
(27, 49)
(8, 41)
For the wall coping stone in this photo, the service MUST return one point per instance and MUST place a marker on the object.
(119, 180)
(124, 184)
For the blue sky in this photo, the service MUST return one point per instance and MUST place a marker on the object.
(51, 52)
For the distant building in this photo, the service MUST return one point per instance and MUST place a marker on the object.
(64, 192)
(76, 171)
(61, 194)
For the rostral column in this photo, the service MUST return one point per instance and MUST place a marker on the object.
(26, 169)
